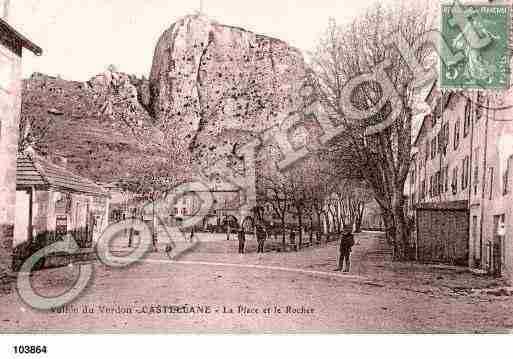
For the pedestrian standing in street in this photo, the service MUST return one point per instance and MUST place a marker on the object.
(261, 237)
(346, 246)
(242, 240)
(131, 234)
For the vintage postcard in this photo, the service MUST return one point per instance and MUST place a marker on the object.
(240, 167)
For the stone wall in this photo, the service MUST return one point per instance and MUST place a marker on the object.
(10, 103)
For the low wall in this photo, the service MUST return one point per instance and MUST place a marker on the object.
(60, 259)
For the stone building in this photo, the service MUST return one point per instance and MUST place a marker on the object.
(462, 188)
(214, 208)
(491, 207)
(460, 182)
(124, 204)
(52, 202)
(12, 44)
(440, 187)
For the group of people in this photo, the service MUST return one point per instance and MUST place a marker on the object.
(261, 236)
(346, 245)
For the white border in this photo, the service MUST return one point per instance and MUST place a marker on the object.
(263, 346)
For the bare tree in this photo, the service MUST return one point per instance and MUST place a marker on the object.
(353, 196)
(383, 158)
(277, 196)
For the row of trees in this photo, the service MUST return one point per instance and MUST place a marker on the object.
(311, 195)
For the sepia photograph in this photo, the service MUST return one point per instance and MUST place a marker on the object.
(271, 167)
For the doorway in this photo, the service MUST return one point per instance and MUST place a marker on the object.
(476, 242)
(496, 246)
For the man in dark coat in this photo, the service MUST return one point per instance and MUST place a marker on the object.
(346, 246)
(261, 237)
(242, 241)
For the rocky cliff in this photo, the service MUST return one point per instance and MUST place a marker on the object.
(99, 125)
(213, 86)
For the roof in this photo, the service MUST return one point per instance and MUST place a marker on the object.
(35, 171)
(26, 43)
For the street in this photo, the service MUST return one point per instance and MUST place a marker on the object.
(213, 289)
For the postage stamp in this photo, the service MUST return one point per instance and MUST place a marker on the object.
(481, 33)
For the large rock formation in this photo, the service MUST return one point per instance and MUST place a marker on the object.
(214, 87)
(100, 125)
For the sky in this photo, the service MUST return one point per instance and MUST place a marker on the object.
(80, 38)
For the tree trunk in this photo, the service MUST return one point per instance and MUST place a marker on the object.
(359, 219)
(388, 221)
(283, 234)
(300, 225)
(319, 224)
(401, 242)
(328, 223)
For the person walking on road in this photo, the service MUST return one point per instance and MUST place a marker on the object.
(242, 241)
(346, 246)
(261, 237)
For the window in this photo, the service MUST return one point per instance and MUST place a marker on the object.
(457, 134)
(439, 139)
(436, 184)
(480, 105)
(427, 150)
(431, 186)
(413, 174)
(490, 171)
(475, 180)
(454, 183)
(433, 148)
(445, 137)
(441, 182)
(465, 173)
(466, 122)
(423, 190)
(505, 180)
(446, 179)
(438, 109)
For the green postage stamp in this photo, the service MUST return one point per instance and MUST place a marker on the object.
(481, 33)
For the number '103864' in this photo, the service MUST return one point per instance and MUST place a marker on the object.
(30, 349)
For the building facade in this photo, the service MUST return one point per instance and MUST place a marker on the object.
(460, 182)
(12, 44)
(444, 176)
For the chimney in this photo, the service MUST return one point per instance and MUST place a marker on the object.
(5, 9)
